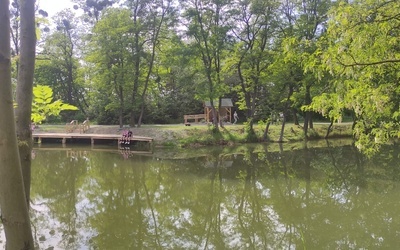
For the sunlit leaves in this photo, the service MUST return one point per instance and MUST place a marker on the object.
(361, 51)
(43, 105)
(365, 32)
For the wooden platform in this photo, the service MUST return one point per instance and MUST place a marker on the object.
(82, 152)
(65, 137)
(196, 118)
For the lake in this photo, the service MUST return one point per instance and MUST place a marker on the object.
(296, 196)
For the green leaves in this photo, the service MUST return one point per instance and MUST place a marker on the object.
(43, 105)
(361, 52)
(364, 33)
(42, 94)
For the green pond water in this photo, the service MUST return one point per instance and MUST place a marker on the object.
(246, 197)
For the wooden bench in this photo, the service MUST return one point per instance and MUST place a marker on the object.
(193, 117)
(70, 127)
(85, 126)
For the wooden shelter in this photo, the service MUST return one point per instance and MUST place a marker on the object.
(225, 111)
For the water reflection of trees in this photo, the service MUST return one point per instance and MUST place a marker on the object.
(250, 198)
(55, 190)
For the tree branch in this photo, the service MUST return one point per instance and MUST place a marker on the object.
(368, 63)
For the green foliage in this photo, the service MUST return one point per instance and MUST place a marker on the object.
(329, 105)
(208, 29)
(173, 95)
(59, 63)
(43, 105)
(361, 52)
(297, 57)
(111, 63)
(246, 66)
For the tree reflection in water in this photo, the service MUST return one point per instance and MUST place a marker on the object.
(247, 197)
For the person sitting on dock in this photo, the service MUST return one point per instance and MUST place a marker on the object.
(126, 137)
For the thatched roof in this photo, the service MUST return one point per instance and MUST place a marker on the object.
(225, 103)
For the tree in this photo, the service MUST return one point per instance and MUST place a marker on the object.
(13, 205)
(172, 97)
(305, 24)
(256, 25)
(313, 22)
(59, 65)
(157, 21)
(15, 14)
(285, 77)
(111, 60)
(208, 26)
(26, 68)
(149, 20)
(24, 28)
(93, 8)
(361, 52)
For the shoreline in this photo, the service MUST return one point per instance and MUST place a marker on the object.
(196, 135)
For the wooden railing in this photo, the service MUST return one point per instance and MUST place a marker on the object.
(70, 127)
(194, 117)
(85, 126)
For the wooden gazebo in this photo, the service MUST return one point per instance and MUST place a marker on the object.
(225, 111)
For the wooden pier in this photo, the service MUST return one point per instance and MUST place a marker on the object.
(78, 137)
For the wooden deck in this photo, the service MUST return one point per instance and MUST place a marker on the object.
(70, 137)
(82, 152)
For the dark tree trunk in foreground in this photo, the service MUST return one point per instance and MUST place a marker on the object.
(25, 90)
(14, 209)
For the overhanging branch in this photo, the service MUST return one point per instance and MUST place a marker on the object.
(368, 63)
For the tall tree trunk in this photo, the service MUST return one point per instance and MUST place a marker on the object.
(121, 110)
(25, 90)
(14, 209)
(215, 115)
(307, 116)
(266, 131)
(305, 124)
(136, 71)
(295, 119)
(287, 105)
(154, 42)
(221, 119)
(329, 129)
(282, 127)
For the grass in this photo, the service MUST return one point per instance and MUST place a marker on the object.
(201, 134)
(52, 128)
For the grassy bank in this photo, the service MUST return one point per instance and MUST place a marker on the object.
(237, 134)
(178, 135)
